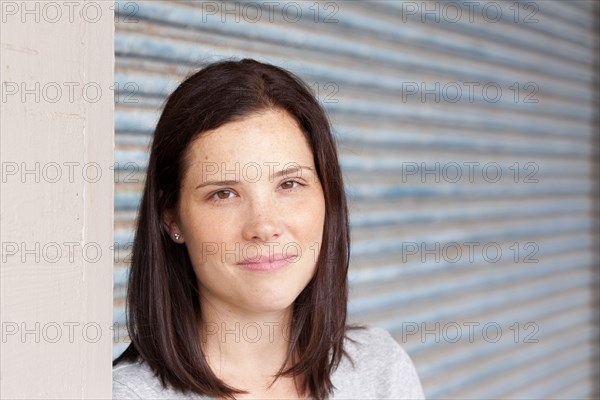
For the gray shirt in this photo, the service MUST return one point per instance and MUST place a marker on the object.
(382, 370)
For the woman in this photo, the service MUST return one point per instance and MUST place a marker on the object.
(238, 283)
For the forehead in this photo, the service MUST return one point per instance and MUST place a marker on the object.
(266, 138)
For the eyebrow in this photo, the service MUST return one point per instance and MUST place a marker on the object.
(217, 183)
(283, 172)
(290, 171)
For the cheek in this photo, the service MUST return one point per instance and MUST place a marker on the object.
(200, 224)
(309, 220)
(205, 235)
(318, 210)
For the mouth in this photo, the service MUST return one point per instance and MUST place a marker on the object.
(267, 264)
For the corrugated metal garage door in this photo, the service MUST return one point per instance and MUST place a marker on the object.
(466, 134)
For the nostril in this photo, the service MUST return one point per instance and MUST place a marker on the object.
(263, 230)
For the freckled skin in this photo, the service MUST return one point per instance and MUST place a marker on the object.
(222, 225)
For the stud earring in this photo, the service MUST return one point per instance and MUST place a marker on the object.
(177, 236)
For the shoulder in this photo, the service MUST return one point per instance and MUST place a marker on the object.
(380, 368)
(132, 380)
(135, 380)
(371, 341)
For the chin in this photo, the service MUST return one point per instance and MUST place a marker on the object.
(273, 302)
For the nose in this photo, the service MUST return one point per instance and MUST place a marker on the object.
(263, 222)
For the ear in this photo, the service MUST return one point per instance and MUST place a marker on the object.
(169, 218)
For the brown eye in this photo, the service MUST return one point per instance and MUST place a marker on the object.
(289, 185)
(223, 194)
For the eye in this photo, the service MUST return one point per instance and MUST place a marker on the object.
(222, 195)
(288, 185)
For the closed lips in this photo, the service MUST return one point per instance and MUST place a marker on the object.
(266, 264)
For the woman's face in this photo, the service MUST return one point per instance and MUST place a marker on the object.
(251, 213)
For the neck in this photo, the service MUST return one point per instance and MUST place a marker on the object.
(246, 338)
(247, 350)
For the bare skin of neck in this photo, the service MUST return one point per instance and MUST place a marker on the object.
(246, 351)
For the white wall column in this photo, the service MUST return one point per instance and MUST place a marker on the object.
(57, 141)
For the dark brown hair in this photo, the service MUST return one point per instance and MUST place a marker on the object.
(163, 306)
